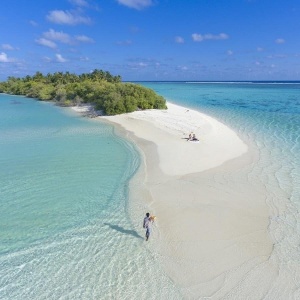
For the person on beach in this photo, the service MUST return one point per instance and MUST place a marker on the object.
(147, 225)
(194, 138)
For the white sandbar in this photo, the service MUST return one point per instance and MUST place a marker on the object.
(211, 227)
(169, 130)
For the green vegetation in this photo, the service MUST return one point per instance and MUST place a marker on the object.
(99, 87)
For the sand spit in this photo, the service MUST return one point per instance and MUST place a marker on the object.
(211, 232)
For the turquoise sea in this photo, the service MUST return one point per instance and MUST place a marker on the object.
(267, 114)
(65, 231)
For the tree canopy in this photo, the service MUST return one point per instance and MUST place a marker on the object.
(105, 91)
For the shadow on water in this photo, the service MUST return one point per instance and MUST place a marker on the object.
(123, 230)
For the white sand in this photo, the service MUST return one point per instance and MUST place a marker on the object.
(87, 110)
(168, 129)
(211, 227)
(83, 108)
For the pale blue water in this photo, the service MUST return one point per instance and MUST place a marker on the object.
(65, 227)
(269, 115)
(65, 231)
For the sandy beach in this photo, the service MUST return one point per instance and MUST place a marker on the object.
(212, 225)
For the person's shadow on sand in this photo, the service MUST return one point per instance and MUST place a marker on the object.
(123, 230)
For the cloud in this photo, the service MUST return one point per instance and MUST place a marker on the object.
(52, 36)
(200, 38)
(4, 58)
(57, 36)
(280, 41)
(142, 64)
(33, 23)
(47, 59)
(197, 37)
(60, 59)
(84, 39)
(259, 49)
(82, 3)
(277, 56)
(136, 4)
(183, 68)
(84, 58)
(229, 52)
(137, 65)
(124, 43)
(179, 40)
(67, 17)
(45, 42)
(7, 47)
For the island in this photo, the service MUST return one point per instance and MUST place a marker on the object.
(99, 88)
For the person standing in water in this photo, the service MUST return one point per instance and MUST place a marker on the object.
(147, 225)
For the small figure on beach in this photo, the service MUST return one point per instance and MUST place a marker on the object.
(192, 137)
(147, 224)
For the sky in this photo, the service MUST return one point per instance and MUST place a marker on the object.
(159, 40)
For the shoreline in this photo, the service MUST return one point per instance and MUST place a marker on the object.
(212, 226)
(170, 128)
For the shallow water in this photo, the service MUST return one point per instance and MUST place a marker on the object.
(269, 115)
(65, 227)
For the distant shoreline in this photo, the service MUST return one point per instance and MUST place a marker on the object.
(227, 82)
